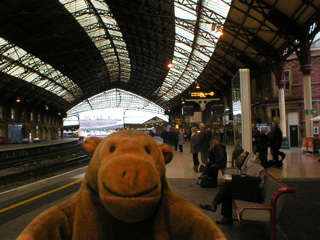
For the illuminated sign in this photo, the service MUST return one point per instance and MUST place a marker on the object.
(202, 94)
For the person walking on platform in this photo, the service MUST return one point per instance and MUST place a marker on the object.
(194, 148)
(249, 164)
(275, 141)
(203, 143)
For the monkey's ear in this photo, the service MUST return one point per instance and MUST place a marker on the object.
(167, 152)
(90, 144)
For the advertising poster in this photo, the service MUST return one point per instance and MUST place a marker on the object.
(15, 133)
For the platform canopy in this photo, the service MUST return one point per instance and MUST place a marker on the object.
(315, 119)
(59, 53)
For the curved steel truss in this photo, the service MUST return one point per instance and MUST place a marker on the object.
(63, 52)
(116, 98)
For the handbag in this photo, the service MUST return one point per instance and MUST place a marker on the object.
(208, 182)
(246, 188)
(201, 167)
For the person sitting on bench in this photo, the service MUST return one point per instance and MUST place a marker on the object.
(248, 164)
(217, 160)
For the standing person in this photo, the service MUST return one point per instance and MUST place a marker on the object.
(275, 140)
(217, 160)
(248, 164)
(181, 140)
(171, 137)
(165, 136)
(203, 143)
(175, 139)
(210, 136)
(255, 138)
(262, 149)
(194, 149)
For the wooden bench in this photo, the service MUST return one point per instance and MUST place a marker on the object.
(273, 195)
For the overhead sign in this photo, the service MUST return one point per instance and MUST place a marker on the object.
(202, 94)
(310, 111)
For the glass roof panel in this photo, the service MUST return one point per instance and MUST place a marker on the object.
(85, 12)
(211, 19)
(27, 67)
(183, 46)
(184, 32)
(116, 98)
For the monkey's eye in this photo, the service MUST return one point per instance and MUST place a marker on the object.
(112, 148)
(147, 149)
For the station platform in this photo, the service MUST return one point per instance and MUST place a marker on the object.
(298, 220)
(27, 149)
(18, 146)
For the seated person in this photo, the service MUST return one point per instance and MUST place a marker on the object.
(249, 164)
(217, 160)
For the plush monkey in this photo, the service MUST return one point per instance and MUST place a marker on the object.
(124, 195)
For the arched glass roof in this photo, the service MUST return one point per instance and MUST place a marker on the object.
(116, 98)
(23, 65)
(97, 20)
(197, 33)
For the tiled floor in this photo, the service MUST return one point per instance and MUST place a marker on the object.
(296, 164)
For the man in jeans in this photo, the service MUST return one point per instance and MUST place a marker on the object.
(248, 164)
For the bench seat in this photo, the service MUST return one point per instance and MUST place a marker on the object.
(273, 196)
(252, 211)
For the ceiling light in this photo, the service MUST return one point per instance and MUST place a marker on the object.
(219, 32)
(18, 100)
(198, 86)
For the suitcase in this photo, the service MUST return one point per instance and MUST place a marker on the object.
(246, 188)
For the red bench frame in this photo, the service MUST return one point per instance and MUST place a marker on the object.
(272, 208)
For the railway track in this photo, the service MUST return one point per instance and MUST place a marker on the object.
(34, 167)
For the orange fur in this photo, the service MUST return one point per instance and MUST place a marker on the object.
(124, 195)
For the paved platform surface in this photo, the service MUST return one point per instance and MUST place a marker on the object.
(19, 206)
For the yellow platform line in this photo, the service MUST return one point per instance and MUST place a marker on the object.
(38, 196)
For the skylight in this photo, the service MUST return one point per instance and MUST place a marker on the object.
(97, 20)
(189, 62)
(116, 98)
(21, 64)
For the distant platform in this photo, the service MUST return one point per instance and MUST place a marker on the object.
(15, 146)
(25, 149)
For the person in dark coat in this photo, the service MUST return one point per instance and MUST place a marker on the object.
(262, 149)
(165, 136)
(275, 141)
(255, 138)
(175, 138)
(217, 160)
